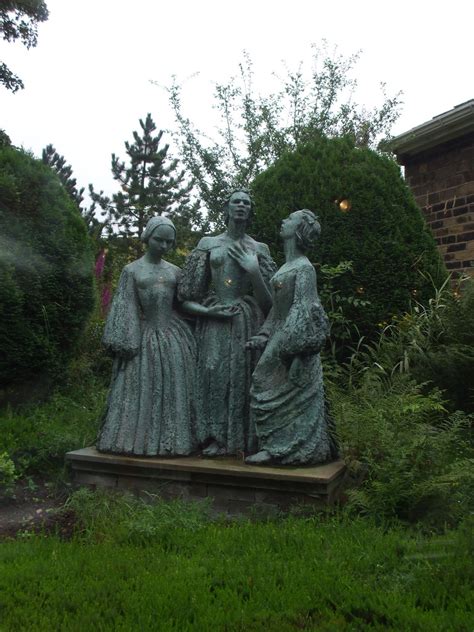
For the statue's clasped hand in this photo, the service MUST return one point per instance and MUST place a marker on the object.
(246, 259)
(222, 311)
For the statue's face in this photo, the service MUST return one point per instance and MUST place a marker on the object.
(239, 206)
(290, 225)
(161, 240)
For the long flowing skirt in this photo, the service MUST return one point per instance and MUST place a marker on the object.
(291, 419)
(150, 405)
(224, 372)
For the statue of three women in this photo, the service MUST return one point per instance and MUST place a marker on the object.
(247, 378)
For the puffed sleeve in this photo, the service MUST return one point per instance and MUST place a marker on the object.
(194, 280)
(306, 327)
(122, 331)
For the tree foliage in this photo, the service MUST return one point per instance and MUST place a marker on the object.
(5, 140)
(19, 21)
(95, 223)
(46, 287)
(255, 130)
(150, 184)
(379, 228)
(57, 162)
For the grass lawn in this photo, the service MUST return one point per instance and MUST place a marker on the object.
(291, 574)
(127, 565)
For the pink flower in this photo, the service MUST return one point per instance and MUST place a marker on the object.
(105, 298)
(99, 264)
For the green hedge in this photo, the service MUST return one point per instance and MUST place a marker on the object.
(46, 282)
(383, 233)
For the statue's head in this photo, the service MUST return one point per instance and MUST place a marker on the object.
(303, 225)
(159, 234)
(239, 206)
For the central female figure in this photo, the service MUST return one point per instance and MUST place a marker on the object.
(225, 282)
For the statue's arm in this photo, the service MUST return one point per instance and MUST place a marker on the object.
(215, 311)
(260, 340)
(306, 327)
(267, 268)
(251, 263)
(122, 332)
(193, 285)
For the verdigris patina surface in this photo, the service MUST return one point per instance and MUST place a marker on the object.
(150, 405)
(225, 281)
(170, 396)
(287, 395)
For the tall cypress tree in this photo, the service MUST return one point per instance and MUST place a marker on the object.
(151, 184)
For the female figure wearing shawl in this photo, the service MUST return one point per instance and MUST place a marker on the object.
(150, 409)
(225, 281)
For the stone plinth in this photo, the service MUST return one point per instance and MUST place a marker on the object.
(232, 485)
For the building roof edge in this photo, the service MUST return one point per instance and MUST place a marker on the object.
(447, 126)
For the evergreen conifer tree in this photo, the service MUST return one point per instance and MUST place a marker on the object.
(150, 184)
(58, 163)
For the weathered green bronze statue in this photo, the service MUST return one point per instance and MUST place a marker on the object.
(150, 404)
(225, 281)
(287, 395)
(173, 393)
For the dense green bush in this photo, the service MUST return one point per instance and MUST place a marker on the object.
(383, 234)
(36, 437)
(409, 458)
(402, 409)
(46, 283)
(446, 357)
(432, 343)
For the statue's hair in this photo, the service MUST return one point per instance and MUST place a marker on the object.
(308, 231)
(153, 224)
(227, 200)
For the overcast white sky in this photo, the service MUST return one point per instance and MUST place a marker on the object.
(87, 81)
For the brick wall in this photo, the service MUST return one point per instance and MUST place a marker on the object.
(442, 181)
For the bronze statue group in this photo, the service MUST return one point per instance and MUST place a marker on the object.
(223, 357)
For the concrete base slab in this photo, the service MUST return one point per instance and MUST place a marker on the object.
(233, 486)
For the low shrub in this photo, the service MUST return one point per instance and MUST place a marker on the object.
(37, 437)
(409, 457)
(8, 475)
(432, 343)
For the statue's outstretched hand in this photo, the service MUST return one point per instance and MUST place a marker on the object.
(256, 342)
(246, 259)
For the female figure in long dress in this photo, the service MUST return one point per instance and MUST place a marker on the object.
(287, 395)
(150, 404)
(225, 281)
